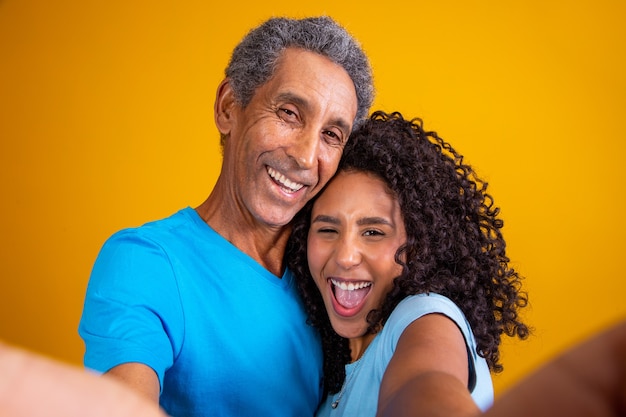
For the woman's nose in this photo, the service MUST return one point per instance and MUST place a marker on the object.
(347, 253)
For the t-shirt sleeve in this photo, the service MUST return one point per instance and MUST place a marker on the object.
(414, 307)
(132, 310)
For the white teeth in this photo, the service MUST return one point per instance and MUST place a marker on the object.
(351, 286)
(284, 181)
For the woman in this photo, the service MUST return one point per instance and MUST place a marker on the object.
(402, 266)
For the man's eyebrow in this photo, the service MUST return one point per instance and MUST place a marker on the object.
(291, 97)
(302, 102)
(344, 125)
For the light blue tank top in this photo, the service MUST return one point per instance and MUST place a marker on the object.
(360, 396)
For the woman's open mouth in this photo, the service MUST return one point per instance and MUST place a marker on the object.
(349, 295)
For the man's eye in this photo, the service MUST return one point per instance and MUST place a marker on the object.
(373, 233)
(333, 136)
(287, 113)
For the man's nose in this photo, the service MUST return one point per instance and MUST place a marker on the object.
(305, 148)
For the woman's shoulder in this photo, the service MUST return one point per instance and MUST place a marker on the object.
(418, 305)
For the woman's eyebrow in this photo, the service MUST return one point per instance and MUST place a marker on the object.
(368, 221)
(365, 221)
(322, 218)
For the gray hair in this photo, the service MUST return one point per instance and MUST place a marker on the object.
(254, 59)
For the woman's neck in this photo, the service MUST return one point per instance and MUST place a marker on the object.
(358, 345)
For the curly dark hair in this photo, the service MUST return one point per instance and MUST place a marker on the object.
(454, 241)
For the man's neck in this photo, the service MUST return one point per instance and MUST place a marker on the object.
(263, 243)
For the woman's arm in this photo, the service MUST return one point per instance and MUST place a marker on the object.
(34, 386)
(428, 373)
(588, 380)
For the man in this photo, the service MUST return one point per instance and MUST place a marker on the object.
(197, 311)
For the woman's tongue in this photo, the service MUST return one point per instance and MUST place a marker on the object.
(350, 298)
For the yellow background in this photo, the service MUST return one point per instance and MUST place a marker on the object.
(106, 122)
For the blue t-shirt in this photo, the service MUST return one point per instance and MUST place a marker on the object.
(360, 396)
(224, 335)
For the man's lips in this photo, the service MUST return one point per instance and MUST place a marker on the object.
(285, 183)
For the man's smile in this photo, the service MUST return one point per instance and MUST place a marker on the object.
(286, 184)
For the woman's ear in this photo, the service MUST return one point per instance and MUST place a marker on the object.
(224, 107)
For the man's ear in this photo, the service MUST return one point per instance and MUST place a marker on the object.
(224, 108)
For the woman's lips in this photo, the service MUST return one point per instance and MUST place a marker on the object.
(349, 296)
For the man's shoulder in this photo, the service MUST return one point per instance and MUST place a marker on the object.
(162, 227)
